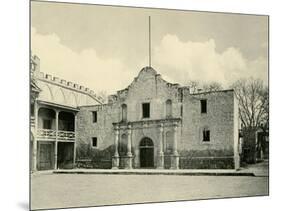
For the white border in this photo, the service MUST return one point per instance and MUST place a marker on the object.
(14, 102)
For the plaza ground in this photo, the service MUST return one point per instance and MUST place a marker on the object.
(73, 190)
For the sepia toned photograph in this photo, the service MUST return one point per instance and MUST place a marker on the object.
(136, 105)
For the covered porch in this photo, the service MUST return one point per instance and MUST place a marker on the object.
(54, 138)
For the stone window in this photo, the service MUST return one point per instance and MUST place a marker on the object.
(168, 108)
(146, 110)
(203, 106)
(206, 135)
(95, 116)
(47, 124)
(94, 142)
(124, 112)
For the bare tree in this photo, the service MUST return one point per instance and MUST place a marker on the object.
(212, 86)
(253, 102)
(265, 108)
(195, 86)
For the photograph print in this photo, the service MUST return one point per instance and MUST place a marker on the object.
(139, 105)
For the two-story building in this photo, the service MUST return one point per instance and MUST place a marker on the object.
(54, 106)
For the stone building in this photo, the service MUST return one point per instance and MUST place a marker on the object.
(54, 107)
(156, 124)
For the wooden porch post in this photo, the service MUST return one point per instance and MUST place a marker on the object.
(75, 127)
(56, 142)
(34, 147)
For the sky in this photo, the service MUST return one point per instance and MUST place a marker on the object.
(104, 47)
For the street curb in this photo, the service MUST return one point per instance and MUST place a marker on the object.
(157, 173)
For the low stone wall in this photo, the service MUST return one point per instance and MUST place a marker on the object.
(184, 163)
(94, 164)
(206, 163)
(206, 159)
(88, 157)
(207, 153)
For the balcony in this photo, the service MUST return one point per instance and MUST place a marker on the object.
(48, 134)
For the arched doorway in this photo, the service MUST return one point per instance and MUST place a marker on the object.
(146, 153)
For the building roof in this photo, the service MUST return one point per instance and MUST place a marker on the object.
(216, 91)
(58, 91)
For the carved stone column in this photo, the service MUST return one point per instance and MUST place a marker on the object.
(161, 153)
(115, 158)
(175, 156)
(129, 158)
(129, 145)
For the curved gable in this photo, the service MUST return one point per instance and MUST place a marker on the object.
(148, 85)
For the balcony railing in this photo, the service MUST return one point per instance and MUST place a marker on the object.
(67, 135)
(53, 134)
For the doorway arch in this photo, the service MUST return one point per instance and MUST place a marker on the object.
(146, 153)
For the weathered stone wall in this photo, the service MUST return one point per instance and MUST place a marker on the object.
(218, 119)
(236, 127)
(102, 129)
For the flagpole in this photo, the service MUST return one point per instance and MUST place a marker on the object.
(149, 37)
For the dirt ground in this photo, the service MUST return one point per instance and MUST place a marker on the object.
(74, 190)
